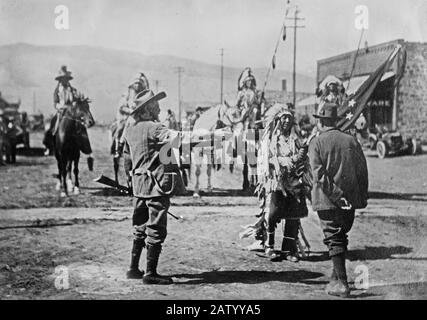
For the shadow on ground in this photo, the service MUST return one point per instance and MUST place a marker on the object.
(31, 152)
(368, 253)
(398, 196)
(249, 277)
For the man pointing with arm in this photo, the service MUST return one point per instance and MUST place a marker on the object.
(154, 181)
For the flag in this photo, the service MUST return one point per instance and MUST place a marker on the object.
(354, 104)
(284, 33)
(273, 62)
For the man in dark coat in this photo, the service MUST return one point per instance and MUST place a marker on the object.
(155, 177)
(340, 185)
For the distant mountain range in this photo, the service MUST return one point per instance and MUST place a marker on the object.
(27, 72)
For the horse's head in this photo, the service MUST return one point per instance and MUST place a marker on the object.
(82, 111)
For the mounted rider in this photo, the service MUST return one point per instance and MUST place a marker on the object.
(332, 90)
(248, 98)
(65, 96)
(138, 84)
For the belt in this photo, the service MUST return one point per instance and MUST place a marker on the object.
(156, 183)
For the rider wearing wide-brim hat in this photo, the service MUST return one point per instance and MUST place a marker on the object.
(65, 96)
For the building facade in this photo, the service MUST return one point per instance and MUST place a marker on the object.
(402, 107)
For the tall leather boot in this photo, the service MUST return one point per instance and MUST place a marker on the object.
(339, 287)
(151, 276)
(134, 272)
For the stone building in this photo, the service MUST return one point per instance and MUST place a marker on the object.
(403, 108)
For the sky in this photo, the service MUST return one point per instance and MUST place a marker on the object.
(197, 29)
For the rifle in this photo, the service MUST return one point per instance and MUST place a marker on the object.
(111, 183)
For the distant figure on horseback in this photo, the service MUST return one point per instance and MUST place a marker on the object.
(66, 96)
(126, 105)
(331, 90)
(170, 121)
(138, 84)
(68, 142)
(248, 99)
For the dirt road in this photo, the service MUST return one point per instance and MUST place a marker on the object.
(83, 249)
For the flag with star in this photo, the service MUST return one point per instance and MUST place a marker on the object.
(354, 104)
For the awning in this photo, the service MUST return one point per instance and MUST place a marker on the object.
(356, 82)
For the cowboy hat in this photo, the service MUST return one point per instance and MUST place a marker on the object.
(328, 111)
(64, 73)
(145, 97)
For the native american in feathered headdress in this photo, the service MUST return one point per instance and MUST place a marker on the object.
(284, 179)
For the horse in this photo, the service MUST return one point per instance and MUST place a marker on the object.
(67, 143)
(226, 128)
(245, 126)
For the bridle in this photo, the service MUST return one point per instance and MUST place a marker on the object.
(76, 119)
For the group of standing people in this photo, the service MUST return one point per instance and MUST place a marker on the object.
(329, 170)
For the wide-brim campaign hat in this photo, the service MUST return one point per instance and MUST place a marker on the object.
(145, 97)
(64, 73)
(328, 111)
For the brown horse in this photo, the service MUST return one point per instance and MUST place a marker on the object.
(68, 142)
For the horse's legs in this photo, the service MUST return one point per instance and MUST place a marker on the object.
(209, 173)
(76, 175)
(245, 177)
(63, 177)
(197, 185)
(253, 176)
(116, 164)
(69, 182)
(58, 183)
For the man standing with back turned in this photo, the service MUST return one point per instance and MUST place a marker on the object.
(340, 185)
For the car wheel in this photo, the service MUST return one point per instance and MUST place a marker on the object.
(382, 149)
(416, 146)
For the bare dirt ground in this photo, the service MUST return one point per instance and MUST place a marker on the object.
(89, 237)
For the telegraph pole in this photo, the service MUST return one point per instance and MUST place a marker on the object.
(222, 76)
(294, 75)
(34, 102)
(179, 70)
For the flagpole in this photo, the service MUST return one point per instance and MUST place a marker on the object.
(354, 60)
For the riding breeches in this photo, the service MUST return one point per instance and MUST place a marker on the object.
(149, 219)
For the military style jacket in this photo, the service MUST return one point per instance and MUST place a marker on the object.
(339, 170)
(152, 164)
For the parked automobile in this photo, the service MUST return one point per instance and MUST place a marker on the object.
(389, 142)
